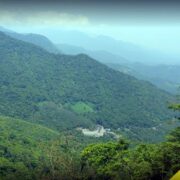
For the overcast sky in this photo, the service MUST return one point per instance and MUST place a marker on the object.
(154, 24)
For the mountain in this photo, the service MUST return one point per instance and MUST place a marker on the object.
(36, 39)
(65, 92)
(130, 51)
(102, 56)
(5, 29)
(165, 77)
(70, 49)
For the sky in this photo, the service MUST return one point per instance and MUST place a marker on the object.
(152, 24)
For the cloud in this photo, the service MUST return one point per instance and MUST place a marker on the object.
(42, 19)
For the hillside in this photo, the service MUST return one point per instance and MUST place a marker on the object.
(30, 151)
(101, 55)
(64, 92)
(21, 148)
(128, 50)
(35, 39)
(166, 77)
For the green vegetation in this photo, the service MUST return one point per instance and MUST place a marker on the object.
(21, 156)
(146, 161)
(175, 106)
(166, 77)
(30, 151)
(81, 108)
(57, 117)
(37, 86)
(118, 160)
(43, 99)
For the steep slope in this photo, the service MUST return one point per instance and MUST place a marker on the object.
(36, 39)
(21, 148)
(166, 77)
(130, 51)
(72, 91)
(3, 29)
(102, 56)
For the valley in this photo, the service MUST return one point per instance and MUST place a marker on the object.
(84, 114)
(52, 90)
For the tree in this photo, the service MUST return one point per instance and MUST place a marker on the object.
(102, 156)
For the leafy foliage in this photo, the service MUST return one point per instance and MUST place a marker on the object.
(145, 161)
(166, 77)
(20, 154)
(175, 106)
(33, 79)
(63, 92)
(81, 107)
(30, 151)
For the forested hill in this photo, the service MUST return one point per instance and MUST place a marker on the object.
(21, 146)
(64, 91)
(35, 39)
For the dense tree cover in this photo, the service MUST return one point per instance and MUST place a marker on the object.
(30, 151)
(64, 92)
(115, 160)
(175, 135)
(21, 156)
(175, 107)
(47, 89)
(166, 77)
(146, 161)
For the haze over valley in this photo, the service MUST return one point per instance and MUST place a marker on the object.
(89, 90)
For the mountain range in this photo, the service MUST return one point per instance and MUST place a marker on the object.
(127, 50)
(35, 39)
(166, 77)
(162, 75)
(65, 91)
